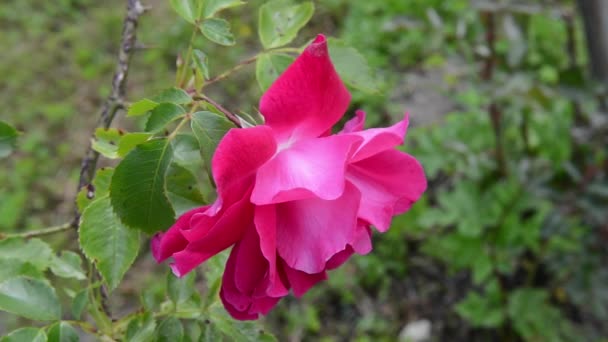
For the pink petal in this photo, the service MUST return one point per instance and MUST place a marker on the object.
(340, 258)
(245, 280)
(376, 140)
(311, 231)
(266, 226)
(361, 244)
(238, 156)
(308, 98)
(362, 241)
(355, 124)
(209, 236)
(165, 244)
(387, 181)
(300, 281)
(312, 167)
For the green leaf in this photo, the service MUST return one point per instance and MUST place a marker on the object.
(186, 152)
(218, 31)
(352, 66)
(170, 330)
(8, 139)
(68, 265)
(209, 128)
(129, 141)
(141, 107)
(106, 142)
(183, 190)
(79, 303)
(269, 66)
(100, 188)
(173, 95)
(33, 251)
(107, 242)
(180, 289)
(162, 115)
(201, 63)
(211, 7)
(25, 334)
(236, 330)
(138, 187)
(533, 317)
(141, 329)
(280, 21)
(486, 311)
(186, 9)
(29, 298)
(214, 269)
(62, 332)
(12, 268)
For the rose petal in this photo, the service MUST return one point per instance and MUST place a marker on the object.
(362, 241)
(165, 244)
(376, 140)
(237, 157)
(361, 244)
(210, 236)
(300, 281)
(312, 167)
(355, 124)
(308, 98)
(311, 231)
(245, 280)
(266, 226)
(387, 182)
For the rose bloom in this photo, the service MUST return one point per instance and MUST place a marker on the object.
(294, 200)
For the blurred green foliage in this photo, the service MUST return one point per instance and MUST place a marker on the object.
(496, 250)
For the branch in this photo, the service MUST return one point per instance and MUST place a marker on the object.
(115, 100)
(41, 232)
(229, 72)
(230, 116)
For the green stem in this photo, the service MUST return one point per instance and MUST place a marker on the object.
(179, 126)
(184, 70)
(185, 120)
(230, 116)
(248, 61)
(232, 70)
(41, 232)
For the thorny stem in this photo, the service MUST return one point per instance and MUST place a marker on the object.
(230, 116)
(41, 232)
(115, 100)
(111, 106)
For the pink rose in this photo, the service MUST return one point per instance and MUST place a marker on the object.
(294, 200)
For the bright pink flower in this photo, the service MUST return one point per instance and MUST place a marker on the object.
(293, 200)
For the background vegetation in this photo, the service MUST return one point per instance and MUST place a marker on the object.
(510, 241)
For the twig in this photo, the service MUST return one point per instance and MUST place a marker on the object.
(115, 100)
(248, 61)
(230, 116)
(487, 74)
(229, 72)
(40, 232)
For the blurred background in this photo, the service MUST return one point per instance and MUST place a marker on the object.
(509, 243)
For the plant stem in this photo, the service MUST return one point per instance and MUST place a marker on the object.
(248, 61)
(230, 71)
(115, 100)
(230, 116)
(181, 79)
(40, 232)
